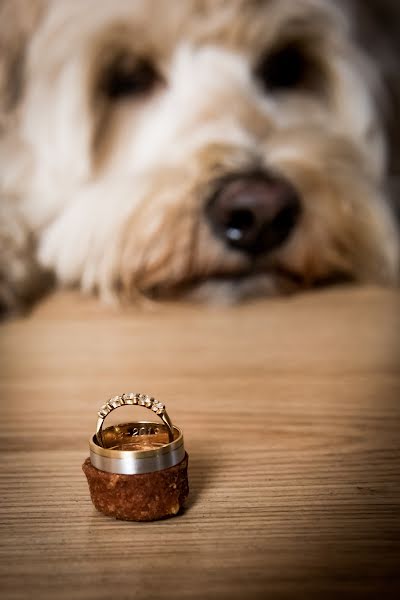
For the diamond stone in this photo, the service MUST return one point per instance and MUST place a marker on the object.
(115, 402)
(142, 400)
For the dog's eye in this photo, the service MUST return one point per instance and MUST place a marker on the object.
(128, 76)
(288, 68)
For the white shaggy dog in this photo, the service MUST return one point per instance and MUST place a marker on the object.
(212, 148)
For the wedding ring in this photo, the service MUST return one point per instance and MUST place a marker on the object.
(132, 398)
(136, 447)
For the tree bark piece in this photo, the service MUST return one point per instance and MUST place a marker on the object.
(144, 497)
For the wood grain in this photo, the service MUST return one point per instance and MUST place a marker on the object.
(291, 413)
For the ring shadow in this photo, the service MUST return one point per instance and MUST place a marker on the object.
(202, 470)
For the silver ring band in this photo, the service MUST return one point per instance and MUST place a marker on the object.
(135, 462)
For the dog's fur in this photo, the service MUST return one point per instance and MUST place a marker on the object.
(107, 190)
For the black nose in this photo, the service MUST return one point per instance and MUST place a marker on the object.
(254, 212)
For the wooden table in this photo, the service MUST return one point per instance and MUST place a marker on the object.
(290, 410)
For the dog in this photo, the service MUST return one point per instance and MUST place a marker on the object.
(206, 149)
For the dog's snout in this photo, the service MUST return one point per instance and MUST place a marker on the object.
(254, 213)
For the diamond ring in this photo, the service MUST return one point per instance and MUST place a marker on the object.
(132, 398)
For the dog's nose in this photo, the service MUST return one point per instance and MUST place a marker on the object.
(254, 213)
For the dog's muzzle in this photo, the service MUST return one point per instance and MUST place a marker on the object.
(253, 212)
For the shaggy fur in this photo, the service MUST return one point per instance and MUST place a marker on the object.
(104, 181)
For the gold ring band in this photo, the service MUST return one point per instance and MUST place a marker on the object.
(135, 435)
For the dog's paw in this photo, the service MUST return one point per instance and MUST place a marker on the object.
(67, 245)
(22, 280)
(79, 245)
(21, 284)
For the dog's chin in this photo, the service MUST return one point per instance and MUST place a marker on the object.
(229, 289)
(232, 290)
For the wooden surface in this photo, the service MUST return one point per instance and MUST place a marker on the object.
(290, 410)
